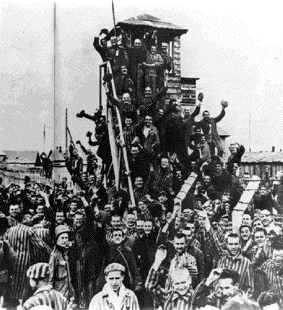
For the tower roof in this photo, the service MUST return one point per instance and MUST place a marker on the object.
(146, 20)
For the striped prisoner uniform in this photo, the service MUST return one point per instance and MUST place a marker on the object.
(275, 277)
(167, 299)
(237, 263)
(23, 241)
(46, 296)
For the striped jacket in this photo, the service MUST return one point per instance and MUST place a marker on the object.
(274, 276)
(166, 298)
(23, 241)
(237, 263)
(46, 296)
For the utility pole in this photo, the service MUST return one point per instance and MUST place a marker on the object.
(66, 130)
(250, 149)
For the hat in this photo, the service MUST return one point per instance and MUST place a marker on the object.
(38, 271)
(114, 267)
(60, 229)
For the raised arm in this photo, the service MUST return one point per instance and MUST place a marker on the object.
(222, 114)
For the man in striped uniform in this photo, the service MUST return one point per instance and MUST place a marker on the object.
(44, 295)
(274, 267)
(24, 240)
(232, 258)
(179, 296)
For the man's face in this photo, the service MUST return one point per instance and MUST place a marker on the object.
(178, 175)
(118, 237)
(139, 182)
(160, 112)
(128, 122)
(191, 226)
(189, 235)
(59, 217)
(206, 116)
(63, 240)
(245, 233)
(131, 220)
(202, 140)
(103, 43)
(113, 42)
(257, 224)
(124, 70)
(84, 177)
(115, 280)
(177, 223)
(164, 47)
(78, 220)
(259, 237)
(164, 163)
(187, 213)
(206, 180)
(182, 282)
(201, 220)
(180, 245)
(187, 112)
(147, 227)
(277, 257)
(263, 191)
(162, 198)
(126, 98)
(226, 289)
(148, 121)
(233, 245)
(140, 224)
(14, 210)
(193, 165)
(75, 152)
(218, 168)
(73, 206)
(99, 181)
(137, 43)
(134, 151)
(153, 50)
(266, 217)
(91, 179)
(40, 209)
(147, 92)
(142, 206)
(246, 219)
(116, 221)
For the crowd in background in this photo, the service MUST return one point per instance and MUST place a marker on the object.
(95, 248)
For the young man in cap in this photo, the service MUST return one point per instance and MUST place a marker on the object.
(59, 263)
(44, 295)
(114, 296)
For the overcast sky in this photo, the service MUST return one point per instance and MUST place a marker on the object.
(235, 48)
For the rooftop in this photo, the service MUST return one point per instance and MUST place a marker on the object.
(146, 20)
(262, 157)
(21, 157)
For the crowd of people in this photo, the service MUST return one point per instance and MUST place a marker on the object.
(94, 248)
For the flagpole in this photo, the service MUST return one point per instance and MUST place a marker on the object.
(113, 13)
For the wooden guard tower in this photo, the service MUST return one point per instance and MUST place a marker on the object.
(136, 27)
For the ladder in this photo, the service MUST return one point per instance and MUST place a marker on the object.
(115, 151)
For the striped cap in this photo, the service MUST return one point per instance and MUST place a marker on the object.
(38, 271)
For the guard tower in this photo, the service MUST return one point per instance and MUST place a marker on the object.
(136, 27)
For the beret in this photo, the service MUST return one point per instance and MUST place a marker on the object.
(114, 267)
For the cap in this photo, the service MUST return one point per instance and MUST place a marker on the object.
(38, 271)
(114, 267)
(61, 229)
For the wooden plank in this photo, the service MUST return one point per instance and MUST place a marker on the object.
(244, 201)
